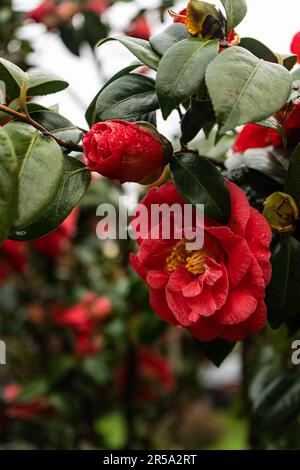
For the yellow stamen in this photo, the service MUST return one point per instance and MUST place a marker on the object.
(192, 261)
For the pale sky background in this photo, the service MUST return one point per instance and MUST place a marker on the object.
(272, 22)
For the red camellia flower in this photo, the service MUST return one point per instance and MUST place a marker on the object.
(254, 136)
(295, 45)
(152, 371)
(44, 9)
(217, 291)
(139, 28)
(126, 151)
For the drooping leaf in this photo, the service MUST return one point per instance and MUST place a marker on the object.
(198, 115)
(74, 185)
(174, 33)
(8, 185)
(40, 170)
(199, 182)
(94, 28)
(182, 70)
(128, 97)
(138, 47)
(236, 11)
(245, 89)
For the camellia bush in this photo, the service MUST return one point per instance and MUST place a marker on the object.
(243, 285)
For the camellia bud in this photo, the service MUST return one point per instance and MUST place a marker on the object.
(202, 19)
(282, 212)
(126, 151)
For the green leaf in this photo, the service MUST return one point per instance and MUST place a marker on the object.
(292, 183)
(112, 429)
(40, 84)
(279, 400)
(74, 185)
(236, 11)
(13, 77)
(182, 70)
(216, 350)
(198, 115)
(40, 161)
(168, 37)
(258, 49)
(127, 98)
(245, 89)
(90, 112)
(199, 182)
(58, 125)
(94, 29)
(138, 47)
(33, 390)
(283, 293)
(71, 37)
(8, 185)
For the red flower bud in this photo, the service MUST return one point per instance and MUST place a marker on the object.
(96, 6)
(127, 152)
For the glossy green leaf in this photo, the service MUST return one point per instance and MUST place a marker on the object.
(182, 70)
(40, 161)
(8, 185)
(58, 125)
(40, 84)
(258, 49)
(292, 184)
(174, 33)
(198, 115)
(12, 76)
(127, 98)
(283, 293)
(236, 11)
(199, 182)
(138, 47)
(74, 185)
(91, 110)
(245, 89)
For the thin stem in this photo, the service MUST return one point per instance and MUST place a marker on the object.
(28, 120)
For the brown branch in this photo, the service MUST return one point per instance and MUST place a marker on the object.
(28, 120)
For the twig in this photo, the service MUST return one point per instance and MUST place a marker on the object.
(28, 120)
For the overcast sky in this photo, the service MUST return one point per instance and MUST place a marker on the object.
(272, 22)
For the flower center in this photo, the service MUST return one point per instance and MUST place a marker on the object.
(193, 260)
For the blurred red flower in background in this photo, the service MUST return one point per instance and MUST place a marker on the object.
(58, 242)
(139, 28)
(24, 410)
(152, 370)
